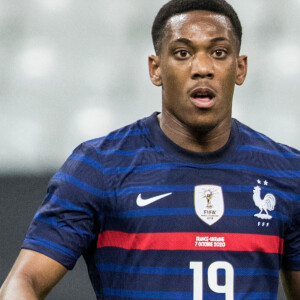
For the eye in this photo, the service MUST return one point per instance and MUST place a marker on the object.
(220, 53)
(182, 54)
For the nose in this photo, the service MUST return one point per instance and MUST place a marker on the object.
(202, 67)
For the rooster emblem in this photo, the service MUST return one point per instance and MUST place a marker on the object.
(266, 204)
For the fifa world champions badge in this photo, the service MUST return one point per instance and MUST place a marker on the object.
(209, 203)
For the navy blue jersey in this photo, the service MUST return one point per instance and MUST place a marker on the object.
(155, 221)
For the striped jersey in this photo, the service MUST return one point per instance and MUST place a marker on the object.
(155, 221)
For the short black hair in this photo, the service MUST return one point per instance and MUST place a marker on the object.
(175, 7)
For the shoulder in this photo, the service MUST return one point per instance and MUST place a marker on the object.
(255, 141)
(114, 149)
(127, 136)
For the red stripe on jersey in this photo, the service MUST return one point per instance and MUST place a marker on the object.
(191, 241)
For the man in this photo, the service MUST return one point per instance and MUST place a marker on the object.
(185, 204)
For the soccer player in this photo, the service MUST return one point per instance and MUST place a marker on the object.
(188, 203)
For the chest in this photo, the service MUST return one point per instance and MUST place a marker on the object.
(211, 199)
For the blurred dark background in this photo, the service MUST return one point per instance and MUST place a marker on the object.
(20, 198)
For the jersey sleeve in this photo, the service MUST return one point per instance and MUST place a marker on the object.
(291, 250)
(67, 221)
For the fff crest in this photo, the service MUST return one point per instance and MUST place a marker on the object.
(209, 203)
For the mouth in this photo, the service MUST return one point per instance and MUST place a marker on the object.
(203, 97)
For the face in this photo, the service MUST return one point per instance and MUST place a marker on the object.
(198, 67)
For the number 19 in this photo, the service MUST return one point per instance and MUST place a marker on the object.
(212, 278)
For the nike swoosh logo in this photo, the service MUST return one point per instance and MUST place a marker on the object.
(144, 202)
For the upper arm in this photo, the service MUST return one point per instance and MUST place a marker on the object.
(291, 284)
(32, 274)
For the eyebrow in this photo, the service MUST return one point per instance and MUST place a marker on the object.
(219, 39)
(189, 42)
(183, 40)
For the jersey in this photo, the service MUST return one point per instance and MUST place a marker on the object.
(156, 221)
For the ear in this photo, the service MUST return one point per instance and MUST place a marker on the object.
(154, 70)
(242, 65)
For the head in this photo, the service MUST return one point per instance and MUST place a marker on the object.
(176, 7)
(197, 62)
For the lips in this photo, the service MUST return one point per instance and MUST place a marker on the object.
(203, 97)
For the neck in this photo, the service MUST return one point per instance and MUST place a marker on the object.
(195, 139)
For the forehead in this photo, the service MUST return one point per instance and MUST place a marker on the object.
(199, 24)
